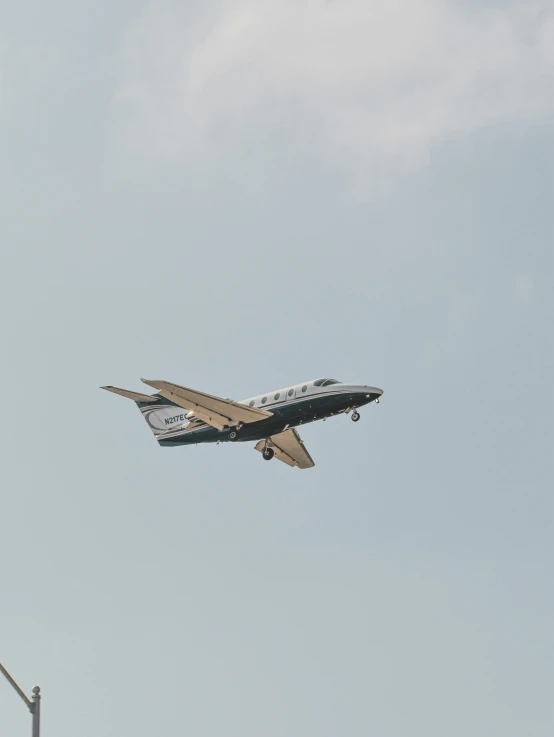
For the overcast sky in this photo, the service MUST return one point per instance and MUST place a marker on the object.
(236, 196)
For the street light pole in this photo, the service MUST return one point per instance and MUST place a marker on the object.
(36, 711)
(33, 706)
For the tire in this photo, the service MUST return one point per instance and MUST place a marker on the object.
(355, 417)
(233, 435)
(268, 454)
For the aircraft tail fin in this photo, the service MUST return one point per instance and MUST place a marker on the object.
(161, 414)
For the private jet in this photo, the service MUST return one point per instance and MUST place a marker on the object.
(269, 419)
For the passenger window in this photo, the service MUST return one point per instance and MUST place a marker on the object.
(290, 392)
(252, 403)
(264, 400)
(277, 396)
(304, 388)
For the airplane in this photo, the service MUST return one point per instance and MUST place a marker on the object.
(269, 418)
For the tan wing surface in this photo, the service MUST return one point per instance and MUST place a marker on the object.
(219, 413)
(288, 447)
(135, 396)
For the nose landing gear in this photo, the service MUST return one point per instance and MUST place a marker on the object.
(355, 416)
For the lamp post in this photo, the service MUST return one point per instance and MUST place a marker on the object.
(33, 706)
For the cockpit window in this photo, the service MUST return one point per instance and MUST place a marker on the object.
(325, 382)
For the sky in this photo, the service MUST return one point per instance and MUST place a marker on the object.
(237, 196)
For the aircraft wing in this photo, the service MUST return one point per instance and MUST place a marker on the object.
(289, 447)
(135, 396)
(219, 413)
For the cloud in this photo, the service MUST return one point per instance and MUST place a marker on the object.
(367, 86)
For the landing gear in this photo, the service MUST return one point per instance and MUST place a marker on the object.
(233, 435)
(268, 453)
(355, 416)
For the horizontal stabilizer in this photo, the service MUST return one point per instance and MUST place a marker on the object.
(135, 396)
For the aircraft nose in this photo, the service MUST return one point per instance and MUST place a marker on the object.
(374, 390)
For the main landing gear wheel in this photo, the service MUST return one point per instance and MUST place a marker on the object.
(233, 435)
(355, 417)
(268, 453)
